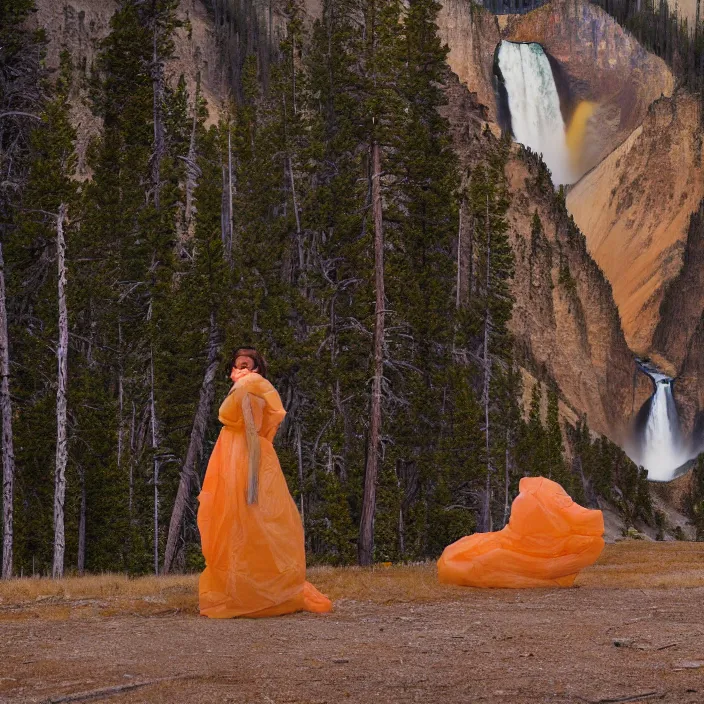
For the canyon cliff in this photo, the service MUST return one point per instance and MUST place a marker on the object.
(634, 209)
(565, 322)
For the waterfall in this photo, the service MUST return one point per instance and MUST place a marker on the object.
(534, 104)
(662, 452)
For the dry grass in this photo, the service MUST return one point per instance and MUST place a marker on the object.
(626, 565)
(384, 585)
(96, 586)
(645, 565)
(103, 594)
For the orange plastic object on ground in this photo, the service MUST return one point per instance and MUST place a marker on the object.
(254, 552)
(548, 540)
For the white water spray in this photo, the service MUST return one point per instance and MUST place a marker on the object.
(662, 452)
(535, 106)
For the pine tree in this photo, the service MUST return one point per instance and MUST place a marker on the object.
(195, 322)
(384, 108)
(695, 500)
(488, 201)
(129, 231)
(556, 468)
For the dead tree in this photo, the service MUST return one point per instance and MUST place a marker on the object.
(486, 363)
(192, 168)
(8, 452)
(81, 562)
(156, 459)
(366, 530)
(458, 298)
(226, 226)
(61, 438)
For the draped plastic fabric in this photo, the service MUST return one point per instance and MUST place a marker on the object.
(254, 553)
(548, 540)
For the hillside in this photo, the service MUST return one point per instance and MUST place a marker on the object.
(634, 209)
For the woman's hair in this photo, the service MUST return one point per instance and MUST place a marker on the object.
(256, 357)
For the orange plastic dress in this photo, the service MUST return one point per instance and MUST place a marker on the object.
(548, 540)
(254, 552)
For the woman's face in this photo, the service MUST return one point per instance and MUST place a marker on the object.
(242, 366)
(243, 362)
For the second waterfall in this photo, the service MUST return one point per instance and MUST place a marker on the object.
(662, 452)
(534, 103)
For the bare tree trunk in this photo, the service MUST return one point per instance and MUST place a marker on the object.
(230, 233)
(299, 239)
(459, 258)
(61, 440)
(470, 257)
(224, 226)
(507, 478)
(195, 445)
(159, 148)
(226, 231)
(120, 403)
(366, 531)
(486, 509)
(401, 524)
(8, 452)
(299, 452)
(155, 445)
(82, 526)
(192, 170)
(293, 70)
(132, 448)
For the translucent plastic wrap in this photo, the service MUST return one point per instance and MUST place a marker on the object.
(251, 532)
(548, 540)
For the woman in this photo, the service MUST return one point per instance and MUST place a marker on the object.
(251, 531)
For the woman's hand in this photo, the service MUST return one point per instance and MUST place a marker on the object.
(244, 376)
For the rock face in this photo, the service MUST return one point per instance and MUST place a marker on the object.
(634, 209)
(472, 35)
(565, 321)
(600, 63)
(680, 332)
(683, 301)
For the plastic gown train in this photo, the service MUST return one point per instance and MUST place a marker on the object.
(547, 541)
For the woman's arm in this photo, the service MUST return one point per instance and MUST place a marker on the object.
(253, 450)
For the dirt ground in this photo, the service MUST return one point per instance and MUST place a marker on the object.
(631, 631)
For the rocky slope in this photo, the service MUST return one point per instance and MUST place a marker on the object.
(680, 332)
(472, 35)
(79, 25)
(634, 209)
(565, 321)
